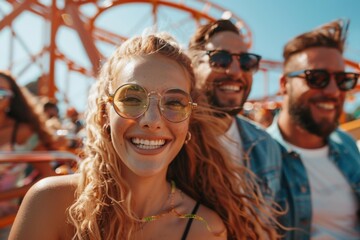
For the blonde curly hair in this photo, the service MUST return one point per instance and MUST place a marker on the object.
(103, 205)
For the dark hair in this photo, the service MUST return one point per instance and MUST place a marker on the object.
(51, 105)
(23, 111)
(331, 35)
(205, 32)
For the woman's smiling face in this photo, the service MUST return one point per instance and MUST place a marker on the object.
(147, 144)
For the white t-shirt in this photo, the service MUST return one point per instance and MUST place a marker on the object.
(334, 203)
(232, 142)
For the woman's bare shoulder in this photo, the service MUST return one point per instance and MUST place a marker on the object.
(208, 225)
(44, 208)
(52, 193)
(56, 185)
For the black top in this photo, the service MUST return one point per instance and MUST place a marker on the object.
(188, 225)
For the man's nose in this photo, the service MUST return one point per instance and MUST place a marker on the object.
(234, 68)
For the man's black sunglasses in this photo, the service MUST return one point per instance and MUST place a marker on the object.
(220, 60)
(320, 78)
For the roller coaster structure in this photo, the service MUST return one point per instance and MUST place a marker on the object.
(72, 15)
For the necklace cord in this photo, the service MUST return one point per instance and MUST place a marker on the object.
(173, 210)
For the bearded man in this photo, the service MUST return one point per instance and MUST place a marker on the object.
(224, 71)
(321, 163)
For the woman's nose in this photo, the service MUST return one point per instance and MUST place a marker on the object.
(152, 118)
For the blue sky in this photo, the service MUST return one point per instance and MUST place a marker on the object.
(272, 24)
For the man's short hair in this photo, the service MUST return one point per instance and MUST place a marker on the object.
(205, 32)
(331, 35)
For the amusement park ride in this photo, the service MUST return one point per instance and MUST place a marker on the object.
(89, 21)
(86, 19)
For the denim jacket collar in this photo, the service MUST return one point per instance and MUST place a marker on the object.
(248, 138)
(276, 134)
(333, 140)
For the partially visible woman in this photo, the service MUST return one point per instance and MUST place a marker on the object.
(148, 172)
(21, 129)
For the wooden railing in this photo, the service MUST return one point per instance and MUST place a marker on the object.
(63, 157)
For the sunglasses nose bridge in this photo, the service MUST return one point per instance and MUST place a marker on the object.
(234, 67)
(151, 117)
(155, 96)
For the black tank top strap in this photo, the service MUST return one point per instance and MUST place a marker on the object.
(188, 225)
(14, 133)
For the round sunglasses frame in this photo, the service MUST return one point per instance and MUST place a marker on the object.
(148, 94)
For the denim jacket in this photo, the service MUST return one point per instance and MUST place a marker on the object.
(262, 155)
(295, 195)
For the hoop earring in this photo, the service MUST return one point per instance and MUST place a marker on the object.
(188, 137)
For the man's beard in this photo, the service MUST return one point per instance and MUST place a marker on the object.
(232, 111)
(230, 108)
(301, 115)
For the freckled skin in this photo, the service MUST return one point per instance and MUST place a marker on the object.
(149, 71)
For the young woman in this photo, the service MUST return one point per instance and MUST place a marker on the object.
(21, 129)
(148, 171)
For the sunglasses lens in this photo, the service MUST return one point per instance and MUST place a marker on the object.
(220, 60)
(249, 62)
(175, 105)
(130, 101)
(317, 78)
(6, 93)
(346, 81)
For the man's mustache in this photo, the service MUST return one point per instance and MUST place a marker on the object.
(226, 80)
(326, 99)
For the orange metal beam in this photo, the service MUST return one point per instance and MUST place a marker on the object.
(7, 20)
(352, 64)
(49, 87)
(107, 36)
(89, 33)
(85, 37)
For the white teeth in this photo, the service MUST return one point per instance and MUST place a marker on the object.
(148, 144)
(230, 87)
(326, 106)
